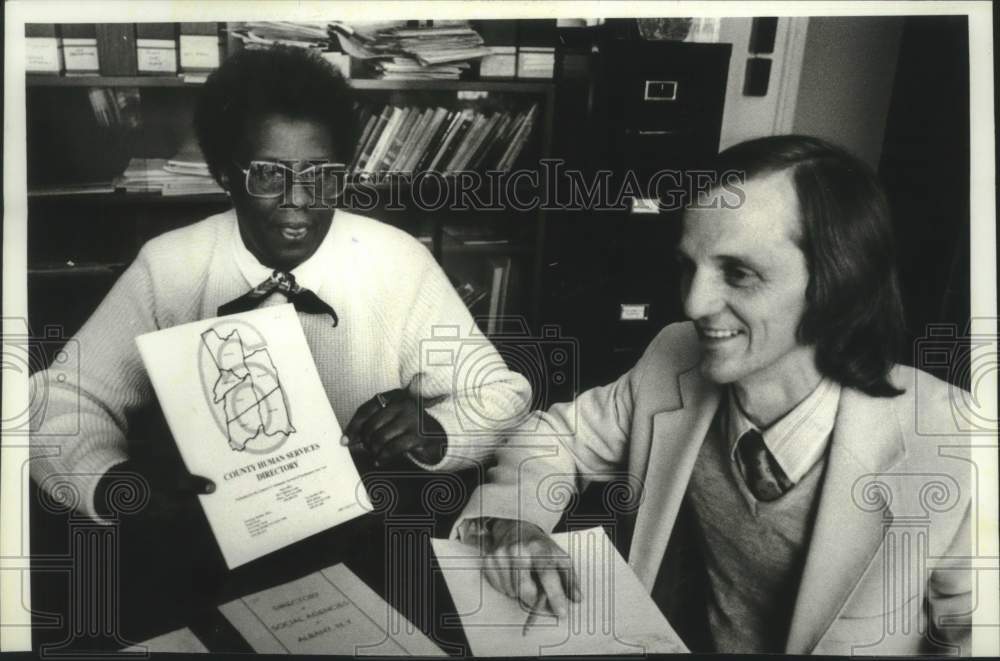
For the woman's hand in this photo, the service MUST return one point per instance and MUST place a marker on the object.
(171, 497)
(523, 562)
(393, 423)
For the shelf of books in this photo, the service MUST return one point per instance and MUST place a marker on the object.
(112, 151)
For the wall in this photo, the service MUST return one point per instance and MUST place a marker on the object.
(747, 117)
(830, 76)
(847, 80)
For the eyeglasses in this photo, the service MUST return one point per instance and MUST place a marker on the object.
(272, 178)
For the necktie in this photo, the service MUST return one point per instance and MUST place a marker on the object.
(763, 475)
(303, 299)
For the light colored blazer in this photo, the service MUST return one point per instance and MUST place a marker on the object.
(886, 568)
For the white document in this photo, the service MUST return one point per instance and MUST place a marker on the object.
(182, 640)
(329, 612)
(246, 407)
(615, 616)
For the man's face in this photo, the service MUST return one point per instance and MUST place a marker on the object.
(282, 231)
(744, 284)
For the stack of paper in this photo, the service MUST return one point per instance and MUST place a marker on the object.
(403, 68)
(247, 410)
(329, 612)
(167, 177)
(264, 34)
(615, 616)
(397, 52)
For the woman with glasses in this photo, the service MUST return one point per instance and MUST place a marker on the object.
(276, 127)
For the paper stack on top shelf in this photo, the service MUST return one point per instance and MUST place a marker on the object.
(167, 177)
(436, 52)
(264, 34)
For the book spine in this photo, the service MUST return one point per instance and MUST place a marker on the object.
(116, 49)
(456, 143)
(431, 150)
(487, 142)
(395, 140)
(521, 139)
(497, 146)
(506, 141)
(382, 143)
(462, 144)
(399, 139)
(373, 139)
(476, 145)
(421, 147)
(475, 142)
(415, 134)
(447, 145)
(365, 134)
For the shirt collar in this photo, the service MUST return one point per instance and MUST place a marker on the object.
(799, 438)
(309, 273)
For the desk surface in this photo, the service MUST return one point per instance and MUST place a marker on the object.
(112, 586)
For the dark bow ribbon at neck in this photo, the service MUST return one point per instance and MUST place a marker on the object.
(303, 299)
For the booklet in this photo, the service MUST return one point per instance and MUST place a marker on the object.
(615, 615)
(175, 642)
(331, 611)
(246, 407)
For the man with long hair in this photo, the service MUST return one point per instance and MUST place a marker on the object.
(773, 439)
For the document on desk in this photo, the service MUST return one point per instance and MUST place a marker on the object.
(182, 640)
(245, 404)
(329, 612)
(615, 615)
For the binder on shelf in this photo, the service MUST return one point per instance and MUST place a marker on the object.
(79, 45)
(536, 52)
(156, 48)
(536, 61)
(42, 49)
(116, 49)
(500, 36)
(199, 48)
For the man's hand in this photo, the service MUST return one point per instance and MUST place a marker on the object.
(393, 423)
(522, 560)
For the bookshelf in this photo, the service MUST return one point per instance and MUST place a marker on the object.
(506, 86)
(83, 232)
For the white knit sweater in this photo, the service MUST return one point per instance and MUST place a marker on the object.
(399, 315)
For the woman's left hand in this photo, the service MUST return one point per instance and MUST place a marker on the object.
(393, 423)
